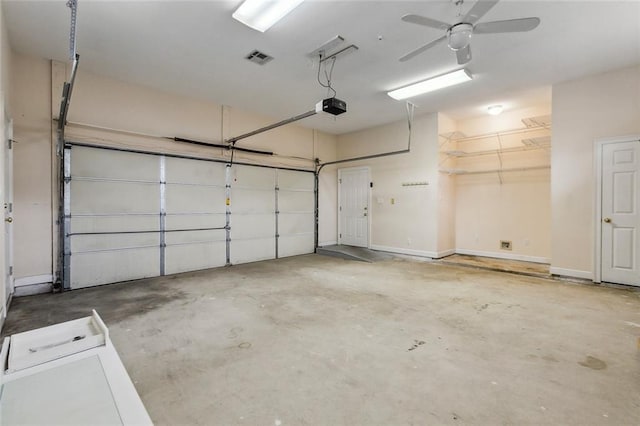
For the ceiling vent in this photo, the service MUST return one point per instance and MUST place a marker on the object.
(258, 57)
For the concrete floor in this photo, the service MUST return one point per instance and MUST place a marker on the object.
(318, 340)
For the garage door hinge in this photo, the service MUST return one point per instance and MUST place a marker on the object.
(10, 270)
(339, 180)
(340, 235)
(340, 208)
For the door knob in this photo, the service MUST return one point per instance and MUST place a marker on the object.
(607, 220)
(9, 219)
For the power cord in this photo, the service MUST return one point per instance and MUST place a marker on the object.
(327, 74)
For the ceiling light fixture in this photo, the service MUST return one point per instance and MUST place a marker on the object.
(495, 109)
(263, 14)
(431, 84)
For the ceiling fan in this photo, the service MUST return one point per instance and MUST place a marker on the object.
(458, 36)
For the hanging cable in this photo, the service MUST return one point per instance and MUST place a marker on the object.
(328, 74)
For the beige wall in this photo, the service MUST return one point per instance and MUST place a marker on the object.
(454, 213)
(597, 106)
(31, 107)
(404, 219)
(447, 193)
(114, 105)
(516, 208)
(420, 220)
(5, 60)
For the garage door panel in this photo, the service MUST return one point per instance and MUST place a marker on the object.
(115, 223)
(253, 177)
(289, 179)
(253, 201)
(245, 251)
(114, 197)
(183, 170)
(296, 223)
(194, 199)
(252, 226)
(84, 243)
(194, 221)
(193, 257)
(295, 201)
(294, 245)
(90, 269)
(195, 236)
(97, 163)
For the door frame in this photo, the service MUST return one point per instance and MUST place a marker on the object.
(598, 147)
(369, 213)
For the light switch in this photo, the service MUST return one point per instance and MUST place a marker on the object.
(393, 201)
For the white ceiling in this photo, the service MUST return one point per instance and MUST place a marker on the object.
(197, 49)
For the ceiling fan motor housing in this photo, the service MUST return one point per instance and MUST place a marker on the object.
(459, 36)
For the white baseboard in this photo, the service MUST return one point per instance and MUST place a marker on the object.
(445, 253)
(327, 243)
(30, 290)
(36, 279)
(411, 252)
(508, 256)
(585, 275)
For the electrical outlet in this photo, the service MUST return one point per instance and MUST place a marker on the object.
(505, 245)
(393, 201)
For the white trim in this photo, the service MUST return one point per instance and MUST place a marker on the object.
(507, 256)
(36, 279)
(597, 212)
(30, 290)
(327, 243)
(445, 253)
(585, 275)
(420, 253)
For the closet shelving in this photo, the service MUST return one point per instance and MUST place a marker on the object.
(535, 136)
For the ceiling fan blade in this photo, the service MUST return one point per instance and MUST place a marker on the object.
(419, 50)
(508, 26)
(478, 11)
(426, 22)
(463, 55)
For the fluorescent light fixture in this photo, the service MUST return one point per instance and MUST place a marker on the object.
(495, 109)
(262, 14)
(429, 85)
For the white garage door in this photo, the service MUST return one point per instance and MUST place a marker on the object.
(131, 215)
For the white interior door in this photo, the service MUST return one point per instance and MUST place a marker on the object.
(8, 209)
(620, 216)
(353, 206)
